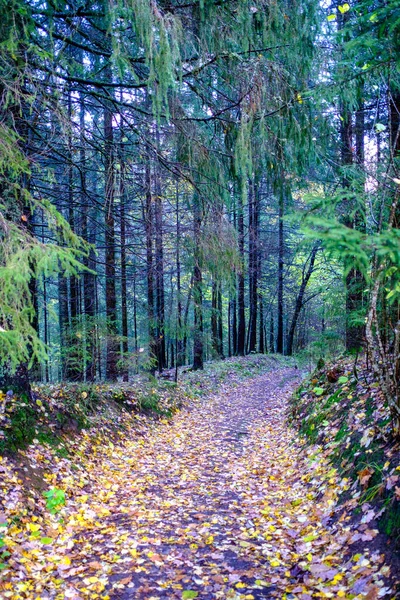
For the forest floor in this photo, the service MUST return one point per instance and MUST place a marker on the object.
(222, 500)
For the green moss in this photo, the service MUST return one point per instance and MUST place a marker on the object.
(390, 522)
(342, 433)
(333, 399)
(349, 415)
(21, 428)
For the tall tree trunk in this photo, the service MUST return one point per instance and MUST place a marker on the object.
(110, 271)
(394, 113)
(220, 323)
(135, 323)
(271, 334)
(46, 337)
(186, 319)
(354, 279)
(148, 219)
(234, 321)
(180, 353)
(198, 342)
(214, 332)
(234, 296)
(261, 333)
(159, 266)
(230, 327)
(74, 370)
(124, 291)
(281, 249)
(241, 329)
(89, 290)
(46, 330)
(62, 292)
(253, 265)
(63, 320)
(34, 373)
(300, 299)
(216, 319)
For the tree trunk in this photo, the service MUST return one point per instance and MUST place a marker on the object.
(198, 343)
(281, 242)
(186, 319)
(159, 269)
(63, 320)
(180, 351)
(124, 291)
(214, 332)
(271, 334)
(241, 333)
(110, 271)
(135, 324)
(46, 336)
(253, 265)
(354, 279)
(300, 299)
(261, 334)
(220, 323)
(216, 319)
(74, 371)
(394, 112)
(148, 219)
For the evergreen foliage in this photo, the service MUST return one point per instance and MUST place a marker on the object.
(152, 158)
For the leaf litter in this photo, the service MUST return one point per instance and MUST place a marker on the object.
(221, 501)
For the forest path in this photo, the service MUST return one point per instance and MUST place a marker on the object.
(220, 503)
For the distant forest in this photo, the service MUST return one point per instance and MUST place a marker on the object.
(182, 181)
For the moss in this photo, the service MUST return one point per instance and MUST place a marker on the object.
(342, 433)
(390, 522)
(21, 428)
(333, 399)
(341, 418)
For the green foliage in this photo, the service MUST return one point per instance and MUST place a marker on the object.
(18, 425)
(150, 402)
(4, 554)
(377, 40)
(23, 259)
(390, 522)
(55, 500)
(351, 421)
(356, 249)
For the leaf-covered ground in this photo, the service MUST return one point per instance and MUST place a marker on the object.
(222, 501)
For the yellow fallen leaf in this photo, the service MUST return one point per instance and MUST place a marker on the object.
(274, 562)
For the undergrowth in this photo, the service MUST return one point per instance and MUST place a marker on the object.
(343, 410)
(60, 410)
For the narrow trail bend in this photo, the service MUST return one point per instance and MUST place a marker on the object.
(220, 503)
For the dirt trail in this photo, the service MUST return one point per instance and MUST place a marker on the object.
(220, 503)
